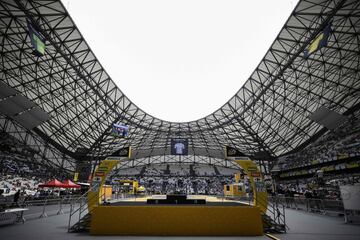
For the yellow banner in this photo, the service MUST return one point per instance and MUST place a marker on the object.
(237, 177)
(98, 181)
(258, 186)
(248, 166)
(76, 177)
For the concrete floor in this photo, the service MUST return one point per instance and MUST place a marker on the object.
(302, 226)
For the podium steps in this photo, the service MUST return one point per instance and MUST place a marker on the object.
(83, 225)
(82, 214)
(270, 226)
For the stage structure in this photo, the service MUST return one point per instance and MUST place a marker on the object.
(178, 216)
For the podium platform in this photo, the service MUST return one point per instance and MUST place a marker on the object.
(176, 216)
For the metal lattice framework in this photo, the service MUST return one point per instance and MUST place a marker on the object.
(269, 113)
(43, 154)
(171, 159)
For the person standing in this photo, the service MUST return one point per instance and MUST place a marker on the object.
(16, 197)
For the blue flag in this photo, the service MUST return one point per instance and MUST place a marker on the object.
(320, 41)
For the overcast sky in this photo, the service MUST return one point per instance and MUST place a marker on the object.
(179, 60)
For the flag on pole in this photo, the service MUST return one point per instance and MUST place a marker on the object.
(320, 41)
(37, 40)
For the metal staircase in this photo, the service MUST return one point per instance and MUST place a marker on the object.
(274, 218)
(83, 225)
(80, 216)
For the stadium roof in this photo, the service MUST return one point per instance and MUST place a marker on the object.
(269, 113)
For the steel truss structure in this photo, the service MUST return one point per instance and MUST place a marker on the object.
(269, 113)
(42, 153)
(171, 159)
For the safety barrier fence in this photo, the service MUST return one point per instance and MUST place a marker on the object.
(48, 206)
(40, 208)
(277, 205)
(321, 206)
(50, 200)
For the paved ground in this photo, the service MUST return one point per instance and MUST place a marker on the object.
(36, 211)
(302, 225)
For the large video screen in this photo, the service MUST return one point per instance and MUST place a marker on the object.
(179, 146)
(119, 130)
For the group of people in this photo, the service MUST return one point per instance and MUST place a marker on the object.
(15, 163)
(343, 142)
(184, 184)
(327, 188)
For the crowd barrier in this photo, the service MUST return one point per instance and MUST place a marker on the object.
(44, 207)
(51, 205)
(55, 206)
(322, 206)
